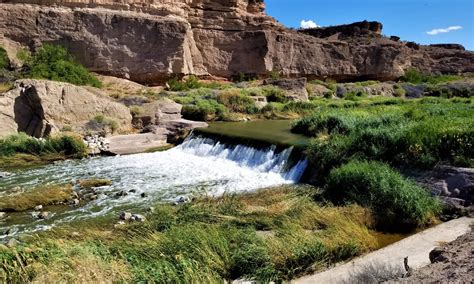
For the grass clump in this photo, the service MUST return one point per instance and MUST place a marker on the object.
(53, 62)
(4, 60)
(416, 77)
(397, 203)
(236, 102)
(66, 145)
(44, 195)
(91, 183)
(103, 124)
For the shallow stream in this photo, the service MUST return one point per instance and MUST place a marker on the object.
(199, 166)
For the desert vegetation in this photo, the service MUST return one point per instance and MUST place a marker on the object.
(270, 235)
(53, 62)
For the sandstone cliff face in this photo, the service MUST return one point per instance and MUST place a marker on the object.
(40, 107)
(151, 41)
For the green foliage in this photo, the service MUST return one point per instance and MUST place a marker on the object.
(204, 110)
(176, 85)
(4, 61)
(55, 63)
(236, 102)
(136, 110)
(397, 203)
(274, 94)
(274, 74)
(103, 123)
(399, 92)
(355, 95)
(416, 77)
(416, 133)
(67, 145)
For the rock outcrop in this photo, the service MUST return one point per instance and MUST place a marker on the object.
(41, 107)
(151, 41)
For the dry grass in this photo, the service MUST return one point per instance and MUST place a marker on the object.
(5, 87)
(44, 195)
(90, 183)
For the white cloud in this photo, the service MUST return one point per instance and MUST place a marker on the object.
(308, 24)
(446, 30)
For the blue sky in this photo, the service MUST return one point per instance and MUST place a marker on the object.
(448, 21)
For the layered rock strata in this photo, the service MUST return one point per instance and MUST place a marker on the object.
(151, 41)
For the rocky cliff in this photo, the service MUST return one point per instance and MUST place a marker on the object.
(151, 41)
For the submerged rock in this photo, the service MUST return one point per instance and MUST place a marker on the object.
(125, 216)
(44, 215)
(138, 218)
(4, 174)
(181, 200)
(74, 202)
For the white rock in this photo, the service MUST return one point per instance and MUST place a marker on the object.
(38, 208)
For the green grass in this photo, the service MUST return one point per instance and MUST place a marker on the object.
(398, 203)
(416, 77)
(418, 133)
(271, 235)
(53, 62)
(66, 145)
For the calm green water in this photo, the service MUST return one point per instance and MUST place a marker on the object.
(271, 131)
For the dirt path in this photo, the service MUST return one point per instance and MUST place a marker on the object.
(416, 247)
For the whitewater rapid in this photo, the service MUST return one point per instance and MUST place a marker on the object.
(197, 167)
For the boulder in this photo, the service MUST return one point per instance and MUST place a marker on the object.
(295, 88)
(41, 107)
(38, 208)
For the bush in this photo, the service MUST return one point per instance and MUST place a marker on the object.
(4, 61)
(204, 110)
(176, 85)
(55, 63)
(416, 77)
(103, 123)
(236, 102)
(274, 94)
(67, 145)
(397, 203)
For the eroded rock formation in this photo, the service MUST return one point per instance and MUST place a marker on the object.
(151, 41)
(40, 107)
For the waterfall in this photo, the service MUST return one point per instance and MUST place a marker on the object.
(268, 160)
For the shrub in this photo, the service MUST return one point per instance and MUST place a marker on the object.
(136, 110)
(274, 94)
(55, 63)
(398, 91)
(236, 102)
(103, 123)
(176, 85)
(4, 61)
(397, 203)
(416, 77)
(204, 110)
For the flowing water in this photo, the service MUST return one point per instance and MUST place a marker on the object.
(199, 166)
